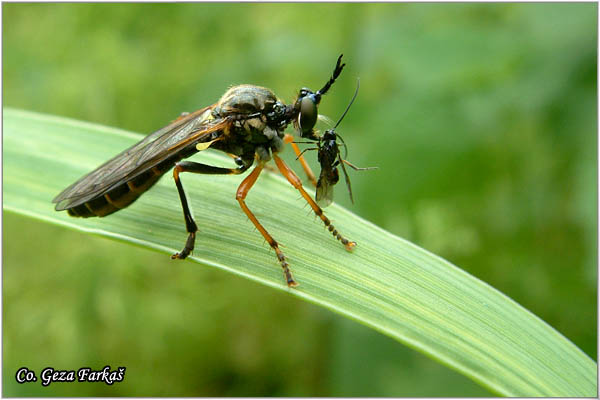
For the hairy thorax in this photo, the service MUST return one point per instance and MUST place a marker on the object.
(250, 132)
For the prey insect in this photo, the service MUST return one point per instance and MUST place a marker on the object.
(248, 123)
(330, 157)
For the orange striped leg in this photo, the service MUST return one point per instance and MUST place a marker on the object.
(242, 191)
(295, 181)
(311, 176)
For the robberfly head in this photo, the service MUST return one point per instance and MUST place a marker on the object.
(307, 118)
(307, 104)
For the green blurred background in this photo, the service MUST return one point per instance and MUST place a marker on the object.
(481, 119)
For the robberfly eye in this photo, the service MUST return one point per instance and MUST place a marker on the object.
(308, 115)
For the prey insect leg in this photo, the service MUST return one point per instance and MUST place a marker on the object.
(348, 163)
(240, 196)
(311, 176)
(190, 224)
(295, 181)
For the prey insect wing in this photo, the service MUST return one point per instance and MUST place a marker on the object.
(142, 156)
(324, 191)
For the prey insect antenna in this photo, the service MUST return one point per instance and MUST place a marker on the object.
(350, 104)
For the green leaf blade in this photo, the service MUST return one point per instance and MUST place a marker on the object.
(387, 283)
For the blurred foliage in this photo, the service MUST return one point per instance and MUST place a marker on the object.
(481, 118)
